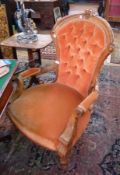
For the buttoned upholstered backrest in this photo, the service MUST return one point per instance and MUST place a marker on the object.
(82, 42)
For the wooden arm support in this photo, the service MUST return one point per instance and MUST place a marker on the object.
(29, 73)
(87, 102)
(68, 134)
(35, 71)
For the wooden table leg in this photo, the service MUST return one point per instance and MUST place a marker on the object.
(31, 58)
(34, 79)
(14, 53)
(30, 54)
(39, 56)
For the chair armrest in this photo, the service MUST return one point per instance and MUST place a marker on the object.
(87, 102)
(35, 71)
(68, 134)
(29, 73)
(20, 81)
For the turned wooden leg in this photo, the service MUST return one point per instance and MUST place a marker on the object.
(39, 56)
(34, 79)
(64, 160)
(31, 58)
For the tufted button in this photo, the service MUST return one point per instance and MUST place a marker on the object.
(75, 67)
(84, 41)
(88, 52)
(81, 60)
(68, 46)
(64, 36)
(65, 64)
(78, 49)
(68, 72)
(72, 56)
(78, 76)
(91, 33)
(84, 70)
(75, 38)
(94, 45)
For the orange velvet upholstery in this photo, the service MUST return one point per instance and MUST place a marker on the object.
(44, 111)
(48, 114)
(80, 44)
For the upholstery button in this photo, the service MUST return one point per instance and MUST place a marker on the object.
(94, 45)
(71, 56)
(75, 38)
(68, 46)
(81, 60)
(78, 49)
(84, 70)
(64, 35)
(88, 53)
(68, 72)
(65, 64)
(78, 76)
(75, 67)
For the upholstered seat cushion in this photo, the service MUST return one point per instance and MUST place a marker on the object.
(42, 112)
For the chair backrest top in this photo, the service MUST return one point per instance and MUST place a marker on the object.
(82, 41)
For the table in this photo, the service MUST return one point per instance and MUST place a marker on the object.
(6, 86)
(43, 41)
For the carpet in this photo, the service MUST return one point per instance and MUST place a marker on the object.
(96, 153)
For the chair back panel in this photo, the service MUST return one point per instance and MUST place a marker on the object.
(80, 43)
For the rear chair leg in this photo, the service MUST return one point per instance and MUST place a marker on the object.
(64, 161)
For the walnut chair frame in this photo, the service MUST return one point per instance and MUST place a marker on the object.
(83, 42)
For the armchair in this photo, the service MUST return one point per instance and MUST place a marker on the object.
(55, 115)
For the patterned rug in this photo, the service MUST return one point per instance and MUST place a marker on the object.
(97, 151)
